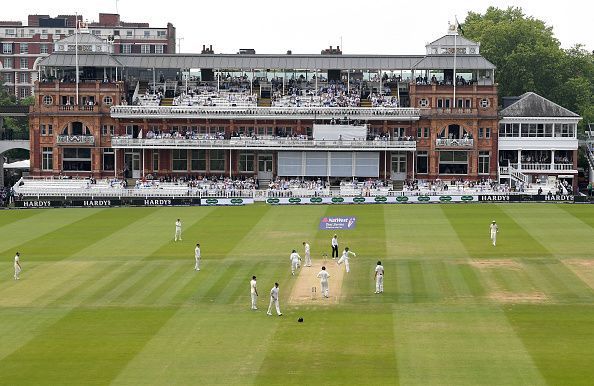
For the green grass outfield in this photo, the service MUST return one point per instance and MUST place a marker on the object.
(107, 297)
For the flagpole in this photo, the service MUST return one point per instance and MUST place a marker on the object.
(454, 77)
(76, 56)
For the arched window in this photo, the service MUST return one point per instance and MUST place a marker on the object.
(76, 128)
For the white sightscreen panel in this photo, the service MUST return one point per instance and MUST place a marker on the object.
(341, 164)
(367, 164)
(316, 163)
(289, 163)
(336, 132)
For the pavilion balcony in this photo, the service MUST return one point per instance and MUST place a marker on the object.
(262, 144)
(250, 113)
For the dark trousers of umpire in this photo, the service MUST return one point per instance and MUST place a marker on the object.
(334, 251)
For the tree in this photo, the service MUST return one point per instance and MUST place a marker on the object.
(529, 58)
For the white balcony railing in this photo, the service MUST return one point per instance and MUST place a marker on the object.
(216, 112)
(259, 144)
(454, 142)
(537, 167)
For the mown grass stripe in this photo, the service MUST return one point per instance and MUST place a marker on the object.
(472, 227)
(110, 297)
(27, 291)
(17, 327)
(473, 280)
(68, 240)
(214, 222)
(237, 280)
(241, 294)
(218, 286)
(83, 282)
(564, 283)
(81, 273)
(404, 285)
(25, 234)
(190, 282)
(161, 285)
(418, 282)
(60, 353)
(151, 272)
(459, 287)
(109, 282)
(10, 218)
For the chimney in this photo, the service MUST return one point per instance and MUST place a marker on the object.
(210, 48)
(203, 47)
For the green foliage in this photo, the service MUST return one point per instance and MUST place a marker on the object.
(529, 58)
(20, 125)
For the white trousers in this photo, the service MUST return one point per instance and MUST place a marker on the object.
(307, 260)
(379, 283)
(346, 263)
(177, 235)
(324, 285)
(254, 301)
(17, 271)
(197, 266)
(494, 238)
(275, 302)
(294, 266)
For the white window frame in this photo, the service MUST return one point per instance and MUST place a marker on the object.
(145, 48)
(7, 48)
(47, 158)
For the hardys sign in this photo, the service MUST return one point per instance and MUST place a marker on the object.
(160, 201)
(335, 223)
(97, 203)
(37, 203)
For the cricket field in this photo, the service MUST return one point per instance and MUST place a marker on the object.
(107, 297)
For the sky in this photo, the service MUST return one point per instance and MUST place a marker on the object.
(387, 27)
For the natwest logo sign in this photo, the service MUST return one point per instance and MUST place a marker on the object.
(334, 223)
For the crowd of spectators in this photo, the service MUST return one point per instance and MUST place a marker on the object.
(459, 185)
(6, 196)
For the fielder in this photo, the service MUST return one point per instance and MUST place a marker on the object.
(345, 259)
(295, 261)
(335, 246)
(178, 226)
(323, 275)
(17, 266)
(197, 257)
(254, 292)
(494, 230)
(307, 254)
(379, 278)
(274, 300)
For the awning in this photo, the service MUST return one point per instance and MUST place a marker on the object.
(463, 62)
(24, 164)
